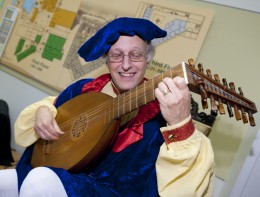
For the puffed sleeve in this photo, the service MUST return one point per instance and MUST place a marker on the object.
(24, 133)
(185, 164)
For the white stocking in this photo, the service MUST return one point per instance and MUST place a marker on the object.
(42, 181)
(8, 183)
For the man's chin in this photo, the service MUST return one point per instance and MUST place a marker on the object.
(127, 87)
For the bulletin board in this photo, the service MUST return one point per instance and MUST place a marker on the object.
(47, 34)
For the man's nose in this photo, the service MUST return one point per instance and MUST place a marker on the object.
(127, 63)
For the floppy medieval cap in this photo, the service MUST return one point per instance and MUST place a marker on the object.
(101, 42)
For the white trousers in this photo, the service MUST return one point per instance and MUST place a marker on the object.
(40, 181)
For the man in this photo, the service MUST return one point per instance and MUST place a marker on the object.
(157, 150)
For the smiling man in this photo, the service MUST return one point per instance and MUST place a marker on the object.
(157, 150)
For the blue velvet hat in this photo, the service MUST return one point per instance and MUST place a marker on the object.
(101, 42)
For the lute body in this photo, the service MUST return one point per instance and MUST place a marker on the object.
(88, 133)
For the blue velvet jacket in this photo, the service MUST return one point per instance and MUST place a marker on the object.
(130, 172)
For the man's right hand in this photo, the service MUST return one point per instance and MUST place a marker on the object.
(45, 124)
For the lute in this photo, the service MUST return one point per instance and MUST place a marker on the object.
(90, 120)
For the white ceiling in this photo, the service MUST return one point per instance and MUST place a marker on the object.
(251, 5)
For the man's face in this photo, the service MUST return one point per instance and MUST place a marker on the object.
(127, 73)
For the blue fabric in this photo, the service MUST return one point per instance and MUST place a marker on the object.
(130, 172)
(71, 91)
(101, 42)
(23, 167)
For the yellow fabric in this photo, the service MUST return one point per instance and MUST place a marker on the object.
(24, 126)
(184, 168)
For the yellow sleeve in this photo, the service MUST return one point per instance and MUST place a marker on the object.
(186, 168)
(24, 133)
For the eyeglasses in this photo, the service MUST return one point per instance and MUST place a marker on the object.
(134, 56)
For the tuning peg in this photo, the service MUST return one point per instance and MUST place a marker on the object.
(230, 112)
(225, 82)
(220, 104)
(251, 119)
(240, 91)
(204, 104)
(221, 107)
(232, 86)
(244, 117)
(191, 62)
(237, 113)
(216, 78)
(200, 67)
(204, 97)
(214, 107)
(209, 73)
(213, 104)
(203, 93)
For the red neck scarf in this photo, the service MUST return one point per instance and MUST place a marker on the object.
(133, 130)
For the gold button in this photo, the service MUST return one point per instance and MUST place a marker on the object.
(170, 137)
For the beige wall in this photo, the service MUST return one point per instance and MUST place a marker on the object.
(232, 50)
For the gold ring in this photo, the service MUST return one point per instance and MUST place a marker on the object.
(165, 91)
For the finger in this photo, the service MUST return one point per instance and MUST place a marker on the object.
(50, 130)
(52, 136)
(44, 135)
(176, 84)
(57, 128)
(171, 86)
(47, 133)
(163, 88)
(159, 95)
(180, 83)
